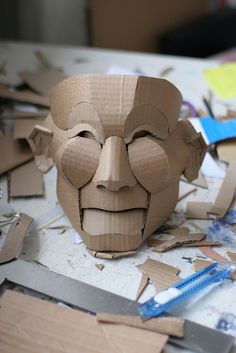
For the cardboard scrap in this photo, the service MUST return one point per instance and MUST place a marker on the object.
(23, 127)
(203, 243)
(111, 255)
(31, 324)
(100, 267)
(181, 238)
(20, 114)
(173, 326)
(161, 274)
(42, 81)
(232, 256)
(13, 152)
(143, 284)
(14, 237)
(151, 242)
(226, 150)
(212, 253)
(198, 210)
(23, 96)
(26, 180)
(226, 193)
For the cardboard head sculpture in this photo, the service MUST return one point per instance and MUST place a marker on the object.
(119, 151)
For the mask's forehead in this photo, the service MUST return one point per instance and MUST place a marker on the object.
(110, 96)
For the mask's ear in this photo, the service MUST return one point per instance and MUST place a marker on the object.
(198, 150)
(39, 141)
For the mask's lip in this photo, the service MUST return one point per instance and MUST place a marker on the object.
(145, 210)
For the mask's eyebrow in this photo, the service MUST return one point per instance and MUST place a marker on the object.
(146, 117)
(84, 117)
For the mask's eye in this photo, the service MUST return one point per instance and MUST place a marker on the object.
(149, 162)
(77, 159)
(141, 133)
(87, 135)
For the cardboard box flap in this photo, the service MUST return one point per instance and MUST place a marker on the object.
(172, 326)
(226, 193)
(42, 81)
(14, 237)
(31, 324)
(26, 181)
(23, 96)
(16, 152)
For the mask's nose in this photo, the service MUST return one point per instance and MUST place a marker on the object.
(114, 170)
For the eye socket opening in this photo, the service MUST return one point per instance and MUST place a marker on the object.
(87, 134)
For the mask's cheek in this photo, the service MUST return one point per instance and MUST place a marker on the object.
(77, 160)
(149, 163)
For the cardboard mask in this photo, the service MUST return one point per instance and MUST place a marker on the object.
(119, 151)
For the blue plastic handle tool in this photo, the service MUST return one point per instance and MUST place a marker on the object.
(182, 290)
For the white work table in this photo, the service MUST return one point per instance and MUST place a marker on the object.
(59, 252)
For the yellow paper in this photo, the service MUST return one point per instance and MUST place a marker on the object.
(222, 80)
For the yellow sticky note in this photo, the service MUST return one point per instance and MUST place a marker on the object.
(222, 80)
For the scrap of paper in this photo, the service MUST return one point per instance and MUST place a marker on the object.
(222, 80)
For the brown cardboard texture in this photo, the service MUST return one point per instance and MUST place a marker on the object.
(26, 180)
(13, 152)
(173, 326)
(14, 237)
(29, 324)
(23, 96)
(23, 127)
(119, 151)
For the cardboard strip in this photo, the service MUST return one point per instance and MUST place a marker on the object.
(181, 238)
(42, 81)
(143, 284)
(111, 255)
(14, 237)
(40, 113)
(26, 181)
(200, 181)
(16, 152)
(151, 242)
(226, 193)
(198, 210)
(161, 274)
(212, 253)
(23, 96)
(33, 325)
(173, 326)
(203, 243)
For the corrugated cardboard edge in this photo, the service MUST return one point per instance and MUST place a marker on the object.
(111, 255)
(173, 326)
(143, 284)
(179, 241)
(14, 237)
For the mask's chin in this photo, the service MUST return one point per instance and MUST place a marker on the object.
(100, 222)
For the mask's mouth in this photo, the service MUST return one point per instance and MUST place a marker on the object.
(127, 222)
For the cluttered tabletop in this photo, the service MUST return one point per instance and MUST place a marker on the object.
(200, 231)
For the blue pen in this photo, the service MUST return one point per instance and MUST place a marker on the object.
(171, 297)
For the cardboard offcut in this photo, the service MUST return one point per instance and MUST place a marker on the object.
(226, 150)
(161, 274)
(14, 237)
(143, 284)
(23, 127)
(26, 180)
(173, 326)
(119, 150)
(35, 325)
(13, 152)
(23, 96)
